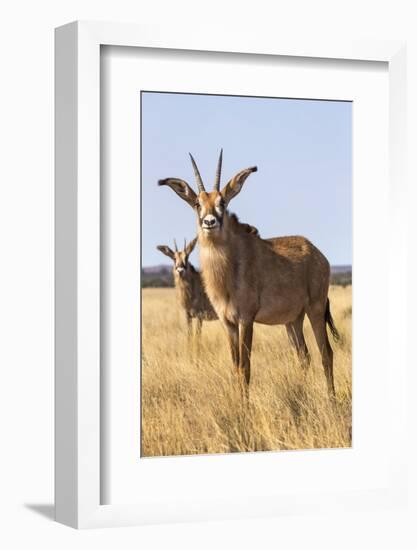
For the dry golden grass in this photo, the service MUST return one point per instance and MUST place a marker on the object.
(190, 397)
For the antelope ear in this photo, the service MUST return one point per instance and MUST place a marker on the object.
(167, 251)
(234, 186)
(190, 247)
(181, 188)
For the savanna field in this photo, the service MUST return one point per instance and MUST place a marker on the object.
(191, 403)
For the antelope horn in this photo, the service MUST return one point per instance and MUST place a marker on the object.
(185, 244)
(175, 245)
(219, 172)
(200, 183)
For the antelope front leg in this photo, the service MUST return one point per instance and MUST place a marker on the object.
(189, 329)
(233, 339)
(199, 324)
(245, 347)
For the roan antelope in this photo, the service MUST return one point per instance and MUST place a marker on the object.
(249, 279)
(189, 287)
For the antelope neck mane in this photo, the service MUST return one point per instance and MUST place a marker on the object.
(241, 227)
(233, 228)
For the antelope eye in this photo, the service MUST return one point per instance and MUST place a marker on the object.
(197, 204)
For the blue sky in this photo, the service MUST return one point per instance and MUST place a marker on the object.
(303, 150)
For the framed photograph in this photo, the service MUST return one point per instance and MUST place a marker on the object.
(263, 283)
(228, 213)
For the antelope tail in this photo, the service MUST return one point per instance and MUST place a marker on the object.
(329, 321)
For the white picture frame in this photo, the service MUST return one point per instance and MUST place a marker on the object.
(78, 501)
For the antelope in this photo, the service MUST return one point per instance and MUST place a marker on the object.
(189, 287)
(250, 279)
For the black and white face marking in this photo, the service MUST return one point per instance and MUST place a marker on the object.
(210, 209)
(181, 263)
(219, 207)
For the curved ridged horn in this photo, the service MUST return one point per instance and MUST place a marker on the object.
(185, 244)
(175, 245)
(200, 183)
(219, 172)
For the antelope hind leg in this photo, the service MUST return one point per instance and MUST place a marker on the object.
(318, 323)
(296, 338)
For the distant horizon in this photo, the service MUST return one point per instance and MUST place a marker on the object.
(169, 265)
(303, 150)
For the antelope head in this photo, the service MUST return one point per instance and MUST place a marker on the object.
(179, 257)
(210, 206)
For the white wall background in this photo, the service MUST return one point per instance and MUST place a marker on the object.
(26, 274)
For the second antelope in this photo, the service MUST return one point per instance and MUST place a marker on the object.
(189, 286)
(249, 279)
